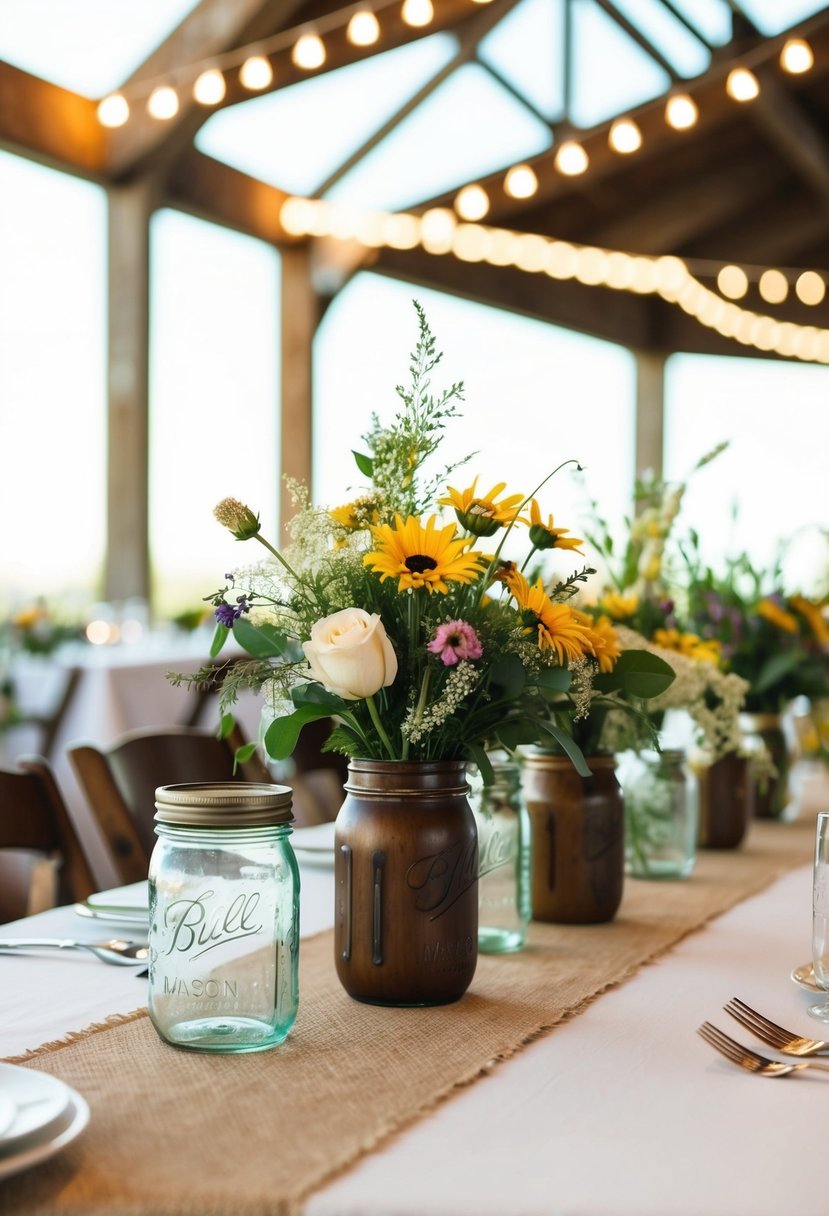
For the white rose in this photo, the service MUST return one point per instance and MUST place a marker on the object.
(350, 654)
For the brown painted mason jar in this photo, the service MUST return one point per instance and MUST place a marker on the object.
(406, 883)
(724, 802)
(578, 831)
(768, 792)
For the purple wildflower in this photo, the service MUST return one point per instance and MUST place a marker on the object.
(226, 614)
(453, 641)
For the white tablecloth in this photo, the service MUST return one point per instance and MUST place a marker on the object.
(121, 688)
(622, 1111)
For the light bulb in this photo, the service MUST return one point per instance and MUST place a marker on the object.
(773, 286)
(796, 56)
(810, 288)
(363, 28)
(256, 73)
(210, 87)
(681, 112)
(742, 85)
(732, 282)
(625, 136)
(472, 203)
(417, 12)
(163, 102)
(571, 159)
(308, 52)
(113, 111)
(520, 182)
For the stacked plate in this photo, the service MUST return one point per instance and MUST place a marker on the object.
(314, 846)
(128, 906)
(39, 1116)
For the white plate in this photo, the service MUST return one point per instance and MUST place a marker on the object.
(38, 1100)
(121, 906)
(805, 977)
(41, 1146)
(314, 846)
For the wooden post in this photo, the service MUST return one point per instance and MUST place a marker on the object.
(650, 409)
(300, 315)
(127, 552)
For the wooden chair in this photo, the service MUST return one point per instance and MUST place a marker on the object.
(42, 861)
(120, 782)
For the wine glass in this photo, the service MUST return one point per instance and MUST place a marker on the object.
(820, 916)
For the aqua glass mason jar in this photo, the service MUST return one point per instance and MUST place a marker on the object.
(224, 917)
(661, 797)
(504, 842)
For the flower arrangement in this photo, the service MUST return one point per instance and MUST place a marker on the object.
(37, 630)
(777, 641)
(396, 615)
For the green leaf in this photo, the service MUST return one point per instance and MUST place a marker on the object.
(515, 731)
(569, 746)
(639, 673)
(226, 725)
(508, 677)
(364, 463)
(282, 734)
(243, 754)
(775, 668)
(316, 694)
(554, 679)
(219, 639)
(262, 641)
(482, 760)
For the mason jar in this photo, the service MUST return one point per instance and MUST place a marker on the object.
(504, 836)
(224, 917)
(661, 796)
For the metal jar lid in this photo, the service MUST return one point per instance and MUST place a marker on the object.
(223, 804)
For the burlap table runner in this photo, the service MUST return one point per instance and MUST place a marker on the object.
(183, 1134)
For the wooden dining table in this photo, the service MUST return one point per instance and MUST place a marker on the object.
(617, 1110)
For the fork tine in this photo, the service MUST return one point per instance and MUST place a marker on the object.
(774, 1036)
(715, 1038)
(763, 1021)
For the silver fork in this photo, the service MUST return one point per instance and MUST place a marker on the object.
(776, 1036)
(751, 1060)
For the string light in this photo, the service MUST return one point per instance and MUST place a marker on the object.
(113, 111)
(797, 56)
(773, 286)
(742, 85)
(308, 52)
(363, 28)
(810, 288)
(163, 102)
(624, 136)
(681, 112)
(571, 158)
(256, 73)
(733, 282)
(210, 87)
(472, 203)
(520, 182)
(417, 13)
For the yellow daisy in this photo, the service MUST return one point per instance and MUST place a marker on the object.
(556, 625)
(606, 645)
(482, 515)
(619, 606)
(418, 556)
(545, 535)
(778, 616)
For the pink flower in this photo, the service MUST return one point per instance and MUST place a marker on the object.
(454, 641)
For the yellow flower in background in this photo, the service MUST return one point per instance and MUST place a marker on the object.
(357, 515)
(619, 606)
(27, 618)
(556, 626)
(546, 535)
(482, 515)
(689, 644)
(778, 616)
(418, 556)
(813, 615)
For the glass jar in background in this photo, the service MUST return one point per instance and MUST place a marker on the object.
(503, 824)
(661, 797)
(224, 917)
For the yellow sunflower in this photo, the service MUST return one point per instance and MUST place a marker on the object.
(619, 605)
(418, 556)
(778, 616)
(813, 615)
(689, 644)
(606, 645)
(357, 515)
(545, 535)
(556, 626)
(482, 515)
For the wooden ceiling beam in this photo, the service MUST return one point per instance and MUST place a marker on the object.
(794, 136)
(49, 123)
(214, 191)
(785, 226)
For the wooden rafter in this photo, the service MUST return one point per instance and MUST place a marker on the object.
(215, 191)
(50, 123)
(797, 139)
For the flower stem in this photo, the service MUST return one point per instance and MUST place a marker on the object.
(378, 726)
(277, 555)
